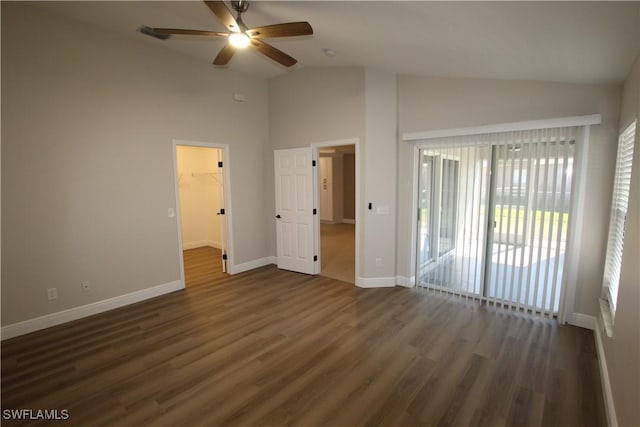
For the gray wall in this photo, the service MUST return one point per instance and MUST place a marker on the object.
(331, 104)
(622, 350)
(349, 176)
(378, 239)
(87, 173)
(312, 105)
(431, 103)
(335, 174)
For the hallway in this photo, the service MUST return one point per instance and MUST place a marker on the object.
(338, 251)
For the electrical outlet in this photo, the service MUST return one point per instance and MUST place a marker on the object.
(52, 293)
(378, 262)
(86, 286)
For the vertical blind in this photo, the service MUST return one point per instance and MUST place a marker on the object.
(494, 216)
(619, 205)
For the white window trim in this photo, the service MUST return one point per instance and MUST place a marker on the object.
(561, 122)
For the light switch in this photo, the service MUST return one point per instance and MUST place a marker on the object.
(382, 210)
(171, 212)
(239, 97)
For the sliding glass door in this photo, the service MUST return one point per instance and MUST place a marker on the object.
(532, 217)
(438, 204)
(494, 214)
(452, 194)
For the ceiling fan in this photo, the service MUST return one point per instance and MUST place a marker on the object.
(239, 35)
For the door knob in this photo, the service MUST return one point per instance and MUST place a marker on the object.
(278, 216)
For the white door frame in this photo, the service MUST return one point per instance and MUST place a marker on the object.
(316, 198)
(227, 197)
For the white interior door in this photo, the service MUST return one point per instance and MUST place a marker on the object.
(294, 210)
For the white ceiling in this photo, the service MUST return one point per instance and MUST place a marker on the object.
(582, 42)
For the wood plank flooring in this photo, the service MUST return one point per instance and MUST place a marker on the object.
(338, 251)
(271, 347)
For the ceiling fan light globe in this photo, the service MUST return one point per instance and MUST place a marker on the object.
(239, 40)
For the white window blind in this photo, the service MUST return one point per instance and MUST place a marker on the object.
(619, 205)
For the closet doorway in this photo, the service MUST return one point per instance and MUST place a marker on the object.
(202, 210)
(337, 209)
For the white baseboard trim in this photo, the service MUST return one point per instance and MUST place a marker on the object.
(348, 221)
(609, 404)
(407, 282)
(375, 282)
(75, 313)
(582, 320)
(250, 265)
(195, 244)
(200, 244)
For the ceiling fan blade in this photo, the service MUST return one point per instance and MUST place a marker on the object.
(289, 29)
(224, 15)
(188, 32)
(225, 55)
(273, 53)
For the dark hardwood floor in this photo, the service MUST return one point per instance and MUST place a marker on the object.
(270, 347)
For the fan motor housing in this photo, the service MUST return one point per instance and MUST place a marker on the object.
(240, 6)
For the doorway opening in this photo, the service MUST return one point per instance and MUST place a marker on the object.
(337, 209)
(202, 212)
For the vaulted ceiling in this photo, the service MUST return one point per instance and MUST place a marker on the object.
(581, 42)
